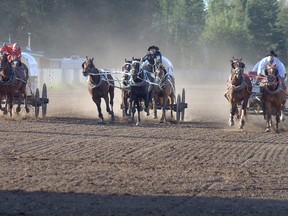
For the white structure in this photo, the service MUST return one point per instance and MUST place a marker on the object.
(168, 64)
(32, 65)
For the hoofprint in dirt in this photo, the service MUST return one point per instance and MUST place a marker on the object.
(69, 164)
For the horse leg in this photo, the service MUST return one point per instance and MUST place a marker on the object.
(243, 113)
(18, 108)
(25, 100)
(97, 101)
(1, 108)
(10, 99)
(125, 103)
(111, 104)
(138, 111)
(5, 109)
(233, 107)
(155, 106)
(278, 112)
(163, 117)
(146, 103)
(282, 117)
(132, 107)
(268, 117)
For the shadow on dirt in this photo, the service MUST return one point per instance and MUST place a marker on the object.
(47, 203)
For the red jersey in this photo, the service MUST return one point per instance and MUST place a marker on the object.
(12, 54)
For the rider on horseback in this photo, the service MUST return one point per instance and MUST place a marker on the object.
(271, 59)
(152, 58)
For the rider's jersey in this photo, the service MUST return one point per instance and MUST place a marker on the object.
(12, 54)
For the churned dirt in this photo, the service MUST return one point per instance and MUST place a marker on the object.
(69, 164)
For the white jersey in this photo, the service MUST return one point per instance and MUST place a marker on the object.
(264, 62)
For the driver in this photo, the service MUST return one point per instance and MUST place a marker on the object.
(271, 59)
(152, 58)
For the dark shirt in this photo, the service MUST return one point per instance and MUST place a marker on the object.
(153, 57)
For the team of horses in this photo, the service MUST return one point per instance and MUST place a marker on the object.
(141, 89)
(239, 89)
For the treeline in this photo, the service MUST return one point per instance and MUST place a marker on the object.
(192, 33)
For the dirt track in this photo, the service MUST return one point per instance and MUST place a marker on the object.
(68, 164)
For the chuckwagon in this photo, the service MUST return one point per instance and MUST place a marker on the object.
(179, 104)
(14, 88)
(255, 103)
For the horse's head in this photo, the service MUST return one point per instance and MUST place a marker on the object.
(136, 68)
(237, 68)
(237, 63)
(271, 72)
(126, 68)
(160, 72)
(3, 61)
(88, 66)
(16, 62)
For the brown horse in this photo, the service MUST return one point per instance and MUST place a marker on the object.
(239, 91)
(13, 81)
(274, 96)
(126, 90)
(165, 92)
(100, 84)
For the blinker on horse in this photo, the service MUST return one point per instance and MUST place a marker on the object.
(100, 85)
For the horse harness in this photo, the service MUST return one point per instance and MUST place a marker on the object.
(103, 77)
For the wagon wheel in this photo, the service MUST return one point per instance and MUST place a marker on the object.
(44, 100)
(183, 102)
(37, 103)
(178, 108)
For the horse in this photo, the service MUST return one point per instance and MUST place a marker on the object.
(150, 73)
(140, 89)
(274, 97)
(100, 85)
(13, 81)
(240, 88)
(125, 93)
(165, 91)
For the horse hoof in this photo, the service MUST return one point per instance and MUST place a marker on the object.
(267, 130)
(27, 110)
(18, 109)
(231, 123)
